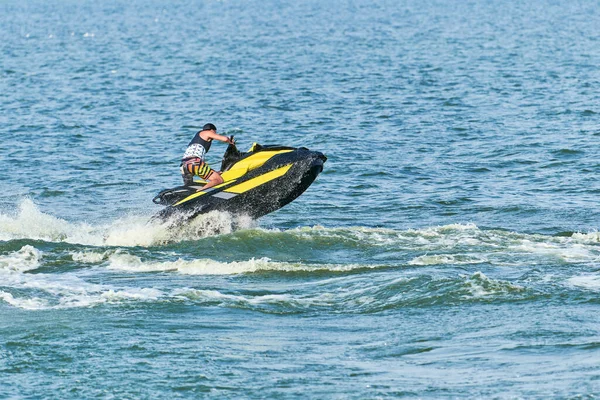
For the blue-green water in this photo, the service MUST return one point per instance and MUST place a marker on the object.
(448, 250)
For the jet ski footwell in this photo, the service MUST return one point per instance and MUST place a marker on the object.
(255, 183)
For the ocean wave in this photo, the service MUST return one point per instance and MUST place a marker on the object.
(586, 281)
(132, 263)
(90, 256)
(130, 231)
(33, 291)
(354, 293)
(453, 244)
(78, 299)
(26, 259)
(440, 259)
(480, 286)
(341, 296)
(586, 238)
(449, 244)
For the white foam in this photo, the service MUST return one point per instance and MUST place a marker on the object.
(82, 298)
(135, 231)
(433, 236)
(223, 299)
(30, 223)
(588, 281)
(204, 225)
(129, 231)
(590, 237)
(359, 295)
(50, 291)
(449, 231)
(43, 291)
(24, 303)
(142, 294)
(26, 259)
(564, 249)
(90, 257)
(98, 294)
(481, 286)
(442, 259)
(432, 260)
(127, 262)
(458, 227)
(207, 296)
(138, 231)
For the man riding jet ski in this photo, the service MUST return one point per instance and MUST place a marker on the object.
(192, 162)
(254, 183)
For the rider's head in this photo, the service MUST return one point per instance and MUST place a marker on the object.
(209, 127)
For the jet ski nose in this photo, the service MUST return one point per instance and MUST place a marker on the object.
(316, 166)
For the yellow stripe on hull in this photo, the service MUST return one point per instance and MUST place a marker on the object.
(200, 193)
(259, 180)
(249, 163)
(243, 167)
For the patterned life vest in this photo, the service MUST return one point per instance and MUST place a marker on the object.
(197, 148)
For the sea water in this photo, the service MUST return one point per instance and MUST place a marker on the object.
(449, 249)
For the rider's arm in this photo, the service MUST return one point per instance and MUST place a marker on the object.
(216, 136)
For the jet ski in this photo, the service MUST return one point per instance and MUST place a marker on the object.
(256, 182)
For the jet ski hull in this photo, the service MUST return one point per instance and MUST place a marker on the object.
(257, 184)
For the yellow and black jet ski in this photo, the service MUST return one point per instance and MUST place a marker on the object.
(257, 182)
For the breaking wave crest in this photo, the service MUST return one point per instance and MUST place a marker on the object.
(132, 263)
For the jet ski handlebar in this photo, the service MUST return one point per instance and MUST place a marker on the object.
(231, 155)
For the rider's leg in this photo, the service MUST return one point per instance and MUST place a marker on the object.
(205, 172)
(188, 178)
(213, 179)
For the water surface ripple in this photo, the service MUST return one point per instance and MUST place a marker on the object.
(449, 249)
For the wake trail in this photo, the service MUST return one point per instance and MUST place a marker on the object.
(129, 231)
